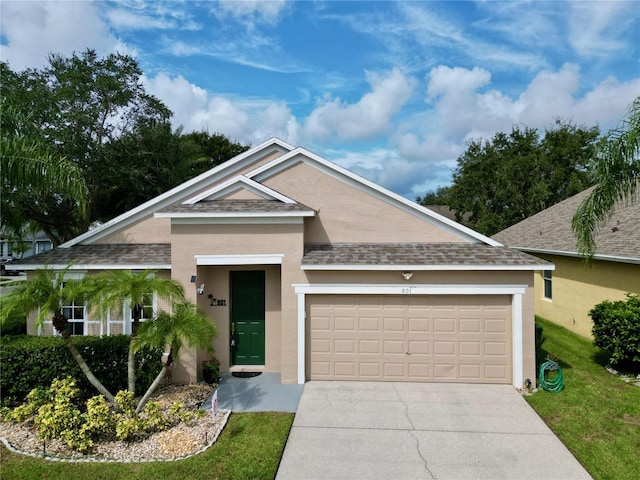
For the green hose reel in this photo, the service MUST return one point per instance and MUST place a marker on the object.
(550, 376)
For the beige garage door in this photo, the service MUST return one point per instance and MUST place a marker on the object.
(420, 338)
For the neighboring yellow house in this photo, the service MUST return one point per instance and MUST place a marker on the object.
(566, 295)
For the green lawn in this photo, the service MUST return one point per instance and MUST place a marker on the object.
(249, 447)
(597, 415)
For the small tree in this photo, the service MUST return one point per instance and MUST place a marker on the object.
(112, 288)
(616, 329)
(186, 326)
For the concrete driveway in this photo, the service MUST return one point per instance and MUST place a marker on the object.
(358, 430)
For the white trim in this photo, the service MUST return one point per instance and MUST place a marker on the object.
(562, 253)
(189, 187)
(237, 183)
(300, 154)
(151, 266)
(516, 291)
(426, 267)
(261, 259)
(302, 316)
(517, 364)
(239, 221)
(407, 289)
(308, 213)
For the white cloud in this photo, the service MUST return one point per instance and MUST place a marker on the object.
(242, 120)
(251, 12)
(595, 28)
(34, 29)
(371, 115)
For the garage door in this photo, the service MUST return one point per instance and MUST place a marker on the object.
(420, 338)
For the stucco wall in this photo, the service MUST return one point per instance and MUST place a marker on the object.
(281, 318)
(577, 288)
(347, 214)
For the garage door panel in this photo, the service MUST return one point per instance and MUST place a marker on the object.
(409, 338)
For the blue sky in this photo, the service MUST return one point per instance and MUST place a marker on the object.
(390, 90)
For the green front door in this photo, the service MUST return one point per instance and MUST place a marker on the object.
(247, 317)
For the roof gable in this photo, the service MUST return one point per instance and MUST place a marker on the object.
(299, 154)
(549, 231)
(236, 175)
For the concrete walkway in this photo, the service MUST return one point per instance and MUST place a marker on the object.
(358, 430)
(263, 393)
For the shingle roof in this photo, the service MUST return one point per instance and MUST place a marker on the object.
(142, 255)
(239, 206)
(417, 254)
(550, 230)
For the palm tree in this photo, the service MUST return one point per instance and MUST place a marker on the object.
(111, 288)
(26, 162)
(616, 174)
(186, 326)
(46, 294)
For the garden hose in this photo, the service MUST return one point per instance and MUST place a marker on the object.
(553, 385)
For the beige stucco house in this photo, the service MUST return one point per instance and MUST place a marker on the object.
(316, 273)
(566, 295)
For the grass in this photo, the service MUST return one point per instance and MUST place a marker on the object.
(597, 415)
(250, 447)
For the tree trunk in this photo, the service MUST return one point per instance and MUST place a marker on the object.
(131, 369)
(87, 371)
(153, 387)
(136, 313)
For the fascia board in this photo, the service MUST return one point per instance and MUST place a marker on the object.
(239, 221)
(108, 266)
(428, 267)
(169, 197)
(248, 259)
(300, 154)
(237, 183)
(562, 253)
(409, 289)
(233, 214)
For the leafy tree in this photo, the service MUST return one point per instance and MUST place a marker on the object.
(502, 181)
(438, 197)
(616, 173)
(186, 326)
(111, 288)
(46, 294)
(81, 103)
(151, 160)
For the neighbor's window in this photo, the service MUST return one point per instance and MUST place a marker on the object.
(546, 279)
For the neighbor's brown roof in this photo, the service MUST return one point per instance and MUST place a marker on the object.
(460, 254)
(238, 206)
(550, 230)
(100, 255)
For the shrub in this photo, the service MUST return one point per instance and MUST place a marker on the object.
(15, 324)
(55, 414)
(27, 362)
(616, 329)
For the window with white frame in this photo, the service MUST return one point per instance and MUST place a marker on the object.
(76, 315)
(547, 284)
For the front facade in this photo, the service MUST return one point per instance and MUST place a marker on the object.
(566, 295)
(318, 274)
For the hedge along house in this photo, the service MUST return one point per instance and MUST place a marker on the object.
(316, 273)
